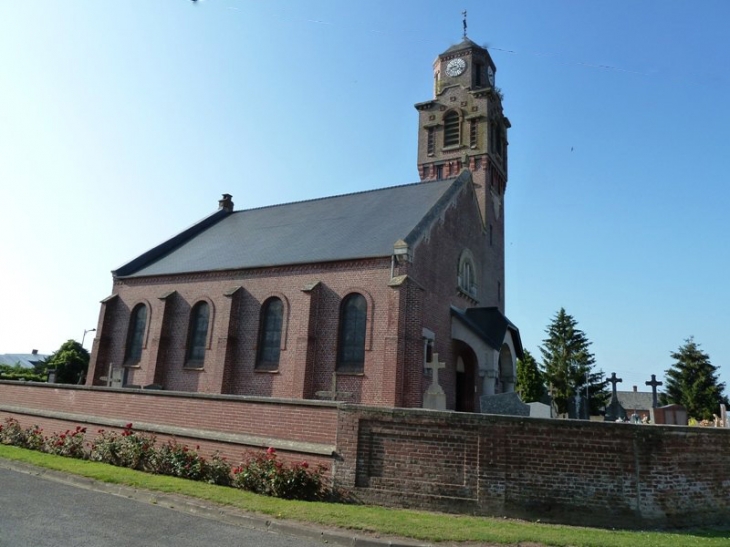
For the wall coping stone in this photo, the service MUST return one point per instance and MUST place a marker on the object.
(182, 394)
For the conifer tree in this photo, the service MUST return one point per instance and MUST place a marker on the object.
(530, 383)
(569, 367)
(693, 383)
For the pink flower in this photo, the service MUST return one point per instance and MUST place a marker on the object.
(305, 465)
(128, 426)
(271, 451)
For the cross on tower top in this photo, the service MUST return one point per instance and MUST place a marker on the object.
(464, 14)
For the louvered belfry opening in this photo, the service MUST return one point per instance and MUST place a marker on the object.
(451, 129)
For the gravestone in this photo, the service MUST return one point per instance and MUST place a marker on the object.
(614, 410)
(114, 377)
(654, 384)
(505, 404)
(435, 398)
(332, 394)
(723, 416)
(540, 410)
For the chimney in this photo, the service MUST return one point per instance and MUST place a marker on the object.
(226, 203)
(634, 389)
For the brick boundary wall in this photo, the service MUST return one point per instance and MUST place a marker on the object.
(569, 471)
(228, 424)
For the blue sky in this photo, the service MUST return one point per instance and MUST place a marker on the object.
(122, 123)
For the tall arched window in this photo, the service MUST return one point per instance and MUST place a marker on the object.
(353, 319)
(135, 335)
(452, 129)
(272, 319)
(198, 334)
(467, 274)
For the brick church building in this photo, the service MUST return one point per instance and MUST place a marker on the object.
(343, 298)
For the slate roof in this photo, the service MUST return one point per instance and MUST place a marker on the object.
(26, 360)
(634, 400)
(351, 226)
(490, 325)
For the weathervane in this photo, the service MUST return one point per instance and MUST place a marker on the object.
(464, 14)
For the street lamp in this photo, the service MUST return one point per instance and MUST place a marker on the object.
(84, 336)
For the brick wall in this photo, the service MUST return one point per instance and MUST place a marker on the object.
(311, 295)
(231, 425)
(586, 473)
(576, 472)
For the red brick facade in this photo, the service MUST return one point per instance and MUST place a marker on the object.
(403, 298)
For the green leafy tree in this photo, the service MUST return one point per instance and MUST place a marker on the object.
(568, 366)
(530, 383)
(71, 362)
(693, 383)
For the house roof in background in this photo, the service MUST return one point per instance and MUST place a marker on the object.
(26, 360)
(635, 400)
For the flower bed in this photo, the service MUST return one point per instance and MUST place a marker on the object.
(260, 473)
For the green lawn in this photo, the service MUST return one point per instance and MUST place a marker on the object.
(418, 525)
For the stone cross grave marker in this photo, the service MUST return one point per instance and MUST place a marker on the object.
(114, 377)
(654, 384)
(332, 394)
(614, 381)
(435, 398)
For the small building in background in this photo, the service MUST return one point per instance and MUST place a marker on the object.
(25, 360)
(636, 404)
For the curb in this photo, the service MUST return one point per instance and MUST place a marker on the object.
(212, 511)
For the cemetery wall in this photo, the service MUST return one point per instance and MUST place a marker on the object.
(570, 471)
(588, 473)
(229, 424)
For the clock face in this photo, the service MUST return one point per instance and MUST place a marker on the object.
(455, 67)
(490, 75)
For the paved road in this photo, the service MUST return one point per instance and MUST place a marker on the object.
(38, 512)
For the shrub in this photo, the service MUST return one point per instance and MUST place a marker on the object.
(126, 449)
(12, 433)
(218, 471)
(265, 474)
(178, 460)
(69, 444)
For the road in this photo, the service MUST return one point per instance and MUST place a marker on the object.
(38, 512)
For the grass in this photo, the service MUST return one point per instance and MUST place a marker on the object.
(419, 525)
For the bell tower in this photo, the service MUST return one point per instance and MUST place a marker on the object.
(464, 127)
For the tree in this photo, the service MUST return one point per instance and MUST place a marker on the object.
(71, 362)
(530, 383)
(568, 365)
(693, 383)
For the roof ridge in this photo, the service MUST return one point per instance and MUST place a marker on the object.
(371, 191)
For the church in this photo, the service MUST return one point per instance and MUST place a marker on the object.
(391, 297)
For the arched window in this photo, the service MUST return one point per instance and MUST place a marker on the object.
(272, 318)
(198, 334)
(452, 129)
(353, 319)
(135, 335)
(467, 277)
